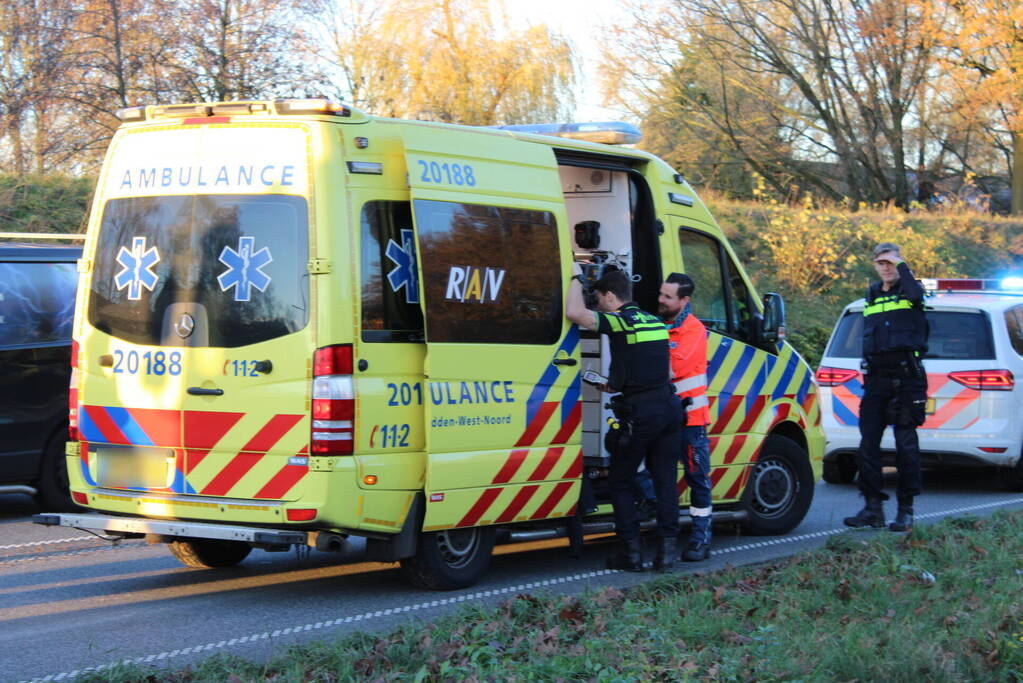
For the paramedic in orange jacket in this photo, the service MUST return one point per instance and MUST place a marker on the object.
(687, 339)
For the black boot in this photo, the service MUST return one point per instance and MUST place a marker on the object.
(871, 515)
(629, 558)
(904, 516)
(667, 552)
(698, 548)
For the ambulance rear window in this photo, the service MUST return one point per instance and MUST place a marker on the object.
(491, 275)
(238, 261)
(953, 335)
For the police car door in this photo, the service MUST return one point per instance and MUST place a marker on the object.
(501, 402)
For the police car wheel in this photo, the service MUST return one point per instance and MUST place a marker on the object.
(206, 553)
(780, 488)
(450, 559)
(53, 493)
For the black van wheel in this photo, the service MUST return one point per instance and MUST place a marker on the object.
(841, 470)
(206, 553)
(450, 559)
(780, 488)
(53, 492)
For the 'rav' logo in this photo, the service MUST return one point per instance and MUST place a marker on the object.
(470, 283)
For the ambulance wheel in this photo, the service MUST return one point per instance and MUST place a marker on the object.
(205, 553)
(53, 492)
(841, 470)
(780, 488)
(450, 559)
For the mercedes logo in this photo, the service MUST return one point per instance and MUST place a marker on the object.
(184, 326)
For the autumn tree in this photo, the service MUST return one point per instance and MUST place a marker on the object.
(447, 60)
(983, 44)
(795, 88)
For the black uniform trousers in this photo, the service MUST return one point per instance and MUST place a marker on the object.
(656, 419)
(891, 399)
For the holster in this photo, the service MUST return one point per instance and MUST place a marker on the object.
(619, 429)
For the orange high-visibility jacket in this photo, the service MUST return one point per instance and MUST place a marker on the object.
(688, 342)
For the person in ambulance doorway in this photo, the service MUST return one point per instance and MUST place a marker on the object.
(687, 343)
(895, 387)
(648, 409)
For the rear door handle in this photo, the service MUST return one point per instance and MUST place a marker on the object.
(200, 391)
(565, 361)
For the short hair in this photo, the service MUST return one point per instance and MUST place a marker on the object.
(887, 246)
(617, 282)
(685, 284)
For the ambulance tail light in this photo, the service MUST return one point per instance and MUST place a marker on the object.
(72, 394)
(333, 428)
(832, 377)
(984, 380)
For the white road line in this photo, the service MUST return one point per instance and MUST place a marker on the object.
(55, 540)
(59, 555)
(266, 635)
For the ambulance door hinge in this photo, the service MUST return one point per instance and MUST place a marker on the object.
(73, 448)
(318, 266)
(85, 265)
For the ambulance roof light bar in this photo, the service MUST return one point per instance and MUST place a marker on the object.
(1008, 284)
(604, 132)
(316, 105)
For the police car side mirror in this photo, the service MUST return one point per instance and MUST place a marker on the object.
(773, 330)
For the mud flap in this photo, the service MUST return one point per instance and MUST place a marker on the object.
(403, 544)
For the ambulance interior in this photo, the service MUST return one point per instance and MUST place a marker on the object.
(610, 215)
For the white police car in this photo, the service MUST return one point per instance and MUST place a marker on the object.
(974, 404)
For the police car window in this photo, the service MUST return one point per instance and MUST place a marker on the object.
(701, 257)
(1014, 326)
(237, 261)
(389, 274)
(490, 274)
(37, 302)
(953, 335)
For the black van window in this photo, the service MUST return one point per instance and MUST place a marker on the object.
(390, 276)
(491, 275)
(37, 302)
(240, 260)
(964, 335)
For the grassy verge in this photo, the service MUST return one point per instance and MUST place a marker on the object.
(939, 604)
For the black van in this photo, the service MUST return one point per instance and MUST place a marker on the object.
(37, 304)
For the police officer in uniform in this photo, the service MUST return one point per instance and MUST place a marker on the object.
(895, 387)
(648, 406)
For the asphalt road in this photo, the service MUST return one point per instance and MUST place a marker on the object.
(69, 601)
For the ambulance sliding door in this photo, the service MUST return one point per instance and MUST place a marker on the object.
(501, 402)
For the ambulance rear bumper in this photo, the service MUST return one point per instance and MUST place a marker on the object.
(138, 527)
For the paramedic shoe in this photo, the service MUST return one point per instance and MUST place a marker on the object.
(667, 553)
(871, 515)
(904, 516)
(696, 551)
(629, 558)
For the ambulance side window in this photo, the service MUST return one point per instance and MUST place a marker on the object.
(390, 278)
(492, 275)
(1014, 325)
(721, 300)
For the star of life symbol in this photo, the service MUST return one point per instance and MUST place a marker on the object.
(406, 273)
(244, 269)
(137, 268)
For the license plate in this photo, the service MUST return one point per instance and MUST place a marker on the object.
(135, 468)
(929, 407)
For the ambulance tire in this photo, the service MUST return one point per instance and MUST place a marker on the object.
(205, 553)
(780, 488)
(841, 470)
(450, 559)
(53, 492)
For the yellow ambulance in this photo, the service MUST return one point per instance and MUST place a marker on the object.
(298, 323)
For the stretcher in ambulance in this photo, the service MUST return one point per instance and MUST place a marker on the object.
(299, 324)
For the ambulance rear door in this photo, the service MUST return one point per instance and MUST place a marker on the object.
(200, 306)
(501, 399)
